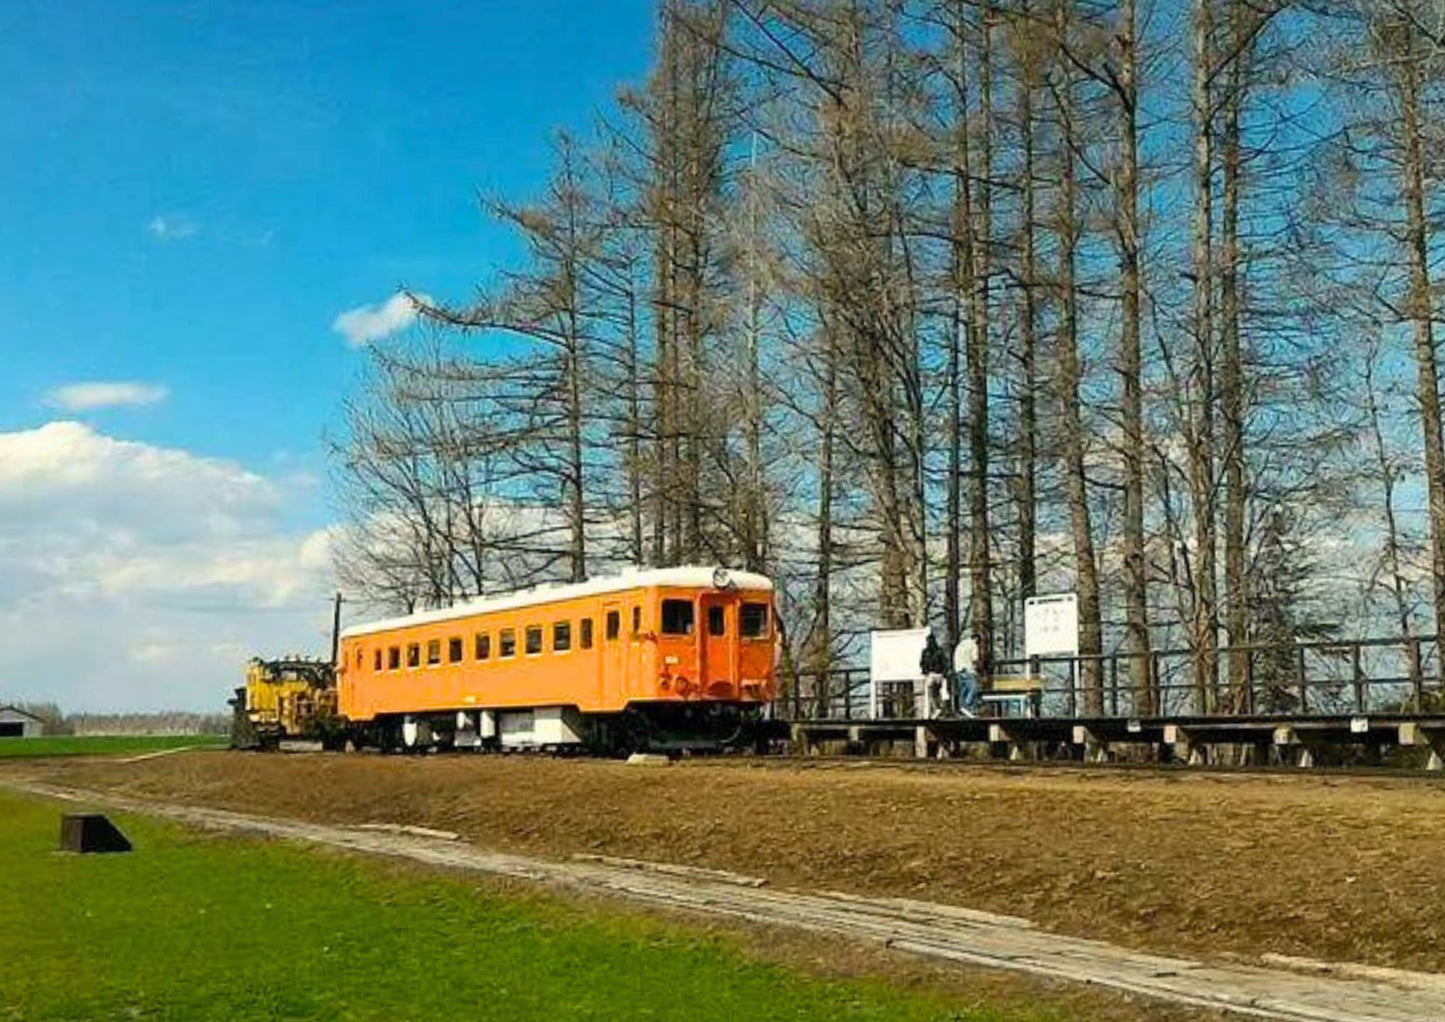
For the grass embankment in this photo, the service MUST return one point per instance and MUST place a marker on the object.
(104, 745)
(196, 926)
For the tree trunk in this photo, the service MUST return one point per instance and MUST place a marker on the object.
(962, 249)
(1422, 316)
(1199, 391)
(1131, 368)
(980, 549)
(1027, 492)
(1231, 384)
(1394, 561)
(821, 660)
(1071, 424)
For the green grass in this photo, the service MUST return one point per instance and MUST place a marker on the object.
(102, 745)
(199, 926)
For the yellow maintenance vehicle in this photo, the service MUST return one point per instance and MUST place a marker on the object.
(293, 698)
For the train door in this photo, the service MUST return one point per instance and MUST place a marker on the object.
(614, 655)
(717, 643)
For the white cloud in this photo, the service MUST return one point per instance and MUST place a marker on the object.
(367, 323)
(172, 228)
(84, 397)
(141, 577)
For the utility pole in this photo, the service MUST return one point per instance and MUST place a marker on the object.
(335, 628)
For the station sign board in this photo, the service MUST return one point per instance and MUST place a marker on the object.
(1051, 625)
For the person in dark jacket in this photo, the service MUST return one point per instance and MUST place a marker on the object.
(935, 667)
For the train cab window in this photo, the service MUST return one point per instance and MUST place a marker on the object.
(434, 651)
(716, 621)
(614, 624)
(376, 660)
(393, 658)
(677, 617)
(413, 655)
(636, 620)
(753, 621)
(454, 650)
(533, 640)
(561, 636)
(358, 659)
(507, 642)
(484, 645)
(584, 636)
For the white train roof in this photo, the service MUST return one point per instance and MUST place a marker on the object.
(686, 577)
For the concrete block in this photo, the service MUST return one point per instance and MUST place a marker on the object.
(648, 759)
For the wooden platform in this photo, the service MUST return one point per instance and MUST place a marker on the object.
(1296, 740)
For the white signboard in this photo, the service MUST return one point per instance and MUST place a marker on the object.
(1051, 625)
(894, 656)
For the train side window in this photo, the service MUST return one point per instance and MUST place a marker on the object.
(393, 658)
(454, 650)
(636, 620)
(413, 655)
(484, 645)
(533, 640)
(716, 621)
(507, 642)
(584, 638)
(614, 624)
(677, 617)
(753, 621)
(359, 652)
(376, 660)
(561, 636)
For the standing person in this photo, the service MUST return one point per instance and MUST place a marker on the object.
(934, 665)
(965, 671)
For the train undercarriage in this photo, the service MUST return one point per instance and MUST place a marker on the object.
(668, 728)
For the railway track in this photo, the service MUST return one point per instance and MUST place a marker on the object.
(960, 765)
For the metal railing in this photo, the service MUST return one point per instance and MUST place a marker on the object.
(1307, 678)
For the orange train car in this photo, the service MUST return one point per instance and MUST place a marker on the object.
(661, 658)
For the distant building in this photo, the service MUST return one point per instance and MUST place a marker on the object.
(16, 723)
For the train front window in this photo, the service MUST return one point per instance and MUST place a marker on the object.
(716, 621)
(584, 637)
(507, 642)
(484, 645)
(413, 655)
(561, 636)
(434, 651)
(376, 661)
(636, 620)
(454, 650)
(753, 621)
(614, 624)
(677, 617)
(534, 640)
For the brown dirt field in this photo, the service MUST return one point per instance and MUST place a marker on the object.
(1341, 868)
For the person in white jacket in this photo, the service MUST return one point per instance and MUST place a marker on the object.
(965, 673)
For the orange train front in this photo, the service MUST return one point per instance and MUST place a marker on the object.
(655, 659)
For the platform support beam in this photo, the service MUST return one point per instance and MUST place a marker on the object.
(1417, 735)
(1096, 749)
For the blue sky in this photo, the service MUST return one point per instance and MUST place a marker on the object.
(190, 194)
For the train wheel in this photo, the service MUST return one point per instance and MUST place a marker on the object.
(633, 733)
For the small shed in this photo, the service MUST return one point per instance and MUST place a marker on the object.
(16, 723)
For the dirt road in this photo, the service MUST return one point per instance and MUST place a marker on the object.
(1344, 869)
